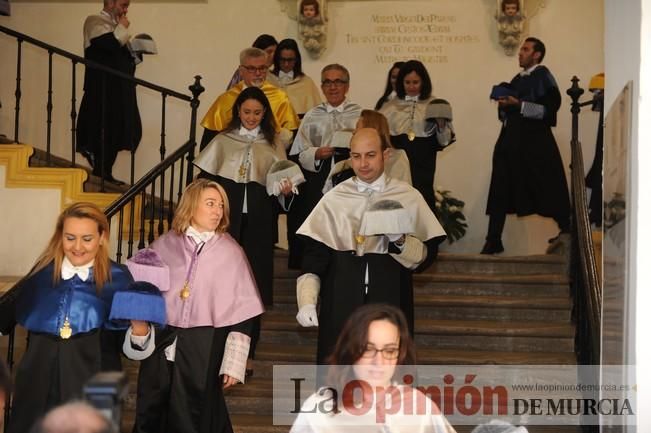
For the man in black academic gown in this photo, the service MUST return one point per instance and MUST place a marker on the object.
(109, 120)
(348, 264)
(317, 146)
(528, 175)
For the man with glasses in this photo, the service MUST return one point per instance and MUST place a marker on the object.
(320, 139)
(364, 240)
(253, 70)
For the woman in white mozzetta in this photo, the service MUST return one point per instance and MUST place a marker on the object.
(420, 124)
(373, 343)
(245, 159)
(288, 67)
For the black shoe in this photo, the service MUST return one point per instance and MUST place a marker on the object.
(492, 247)
(90, 157)
(248, 373)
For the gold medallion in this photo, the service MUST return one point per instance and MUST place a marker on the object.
(242, 170)
(411, 135)
(65, 331)
(185, 291)
(360, 239)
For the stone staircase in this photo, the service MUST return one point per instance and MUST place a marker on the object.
(470, 310)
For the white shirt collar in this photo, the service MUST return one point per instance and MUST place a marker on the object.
(286, 75)
(253, 133)
(339, 108)
(68, 270)
(529, 71)
(411, 98)
(378, 185)
(103, 12)
(198, 237)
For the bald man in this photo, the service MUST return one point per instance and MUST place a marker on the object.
(75, 417)
(364, 239)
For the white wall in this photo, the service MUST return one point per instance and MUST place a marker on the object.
(628, 53)
(28, 217)
(642, 230)
(205, 39)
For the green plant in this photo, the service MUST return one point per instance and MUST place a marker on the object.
(449, 211)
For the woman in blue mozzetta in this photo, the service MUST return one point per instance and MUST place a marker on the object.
(64, 303)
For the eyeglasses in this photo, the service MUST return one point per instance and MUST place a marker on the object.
(388, 353)
(253, 69)
(337, 82)
(287, 59)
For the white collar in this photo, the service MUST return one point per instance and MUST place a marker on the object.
(103, 12)
(378, 185)
(339, 108)
(411, 98)
(198, 237)
(253, 133)
(529, 71)
(68, 270)
(286, 75)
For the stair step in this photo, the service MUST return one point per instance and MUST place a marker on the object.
(538, 285)
(476, 264)
(282, 354)
(275, 320)
(452, 307)
(518, 344)
(93, 184)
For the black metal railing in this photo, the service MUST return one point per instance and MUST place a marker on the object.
(150, 202)
(106, 71)
(586, 282)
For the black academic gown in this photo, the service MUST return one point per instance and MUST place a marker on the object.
(192, 401)
(594, 178)
(54, 370)
(528, 175)
(343, 288)
(309, 194)
(109, 107)
(421, 153)
(254, 231)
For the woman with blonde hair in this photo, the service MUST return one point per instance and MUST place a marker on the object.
(64, 303)
(212, 303)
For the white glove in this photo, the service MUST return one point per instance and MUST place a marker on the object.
(306, 316)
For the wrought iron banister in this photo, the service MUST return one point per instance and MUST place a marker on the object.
(587, 287)
(147, 179)
(76, 59)
(169, 176)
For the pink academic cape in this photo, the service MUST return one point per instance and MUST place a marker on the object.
(222, 288)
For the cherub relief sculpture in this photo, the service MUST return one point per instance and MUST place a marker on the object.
(510, 24)
(312, 28)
